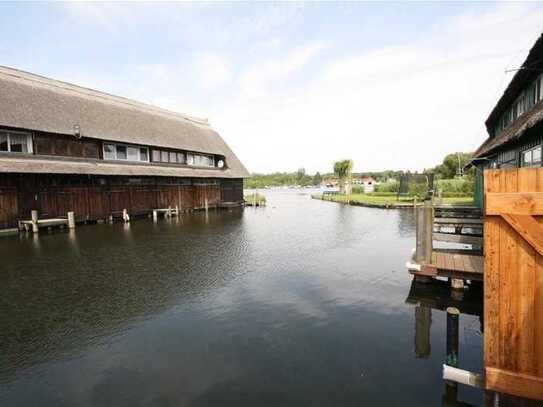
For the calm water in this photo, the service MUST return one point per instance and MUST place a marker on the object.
(303, 303)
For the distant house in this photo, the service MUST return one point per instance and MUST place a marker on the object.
(515, 125)
(369, 184)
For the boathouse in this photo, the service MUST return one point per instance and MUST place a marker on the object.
(68, 148)
(515, 125)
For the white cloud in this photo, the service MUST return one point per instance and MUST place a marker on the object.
(213, 70)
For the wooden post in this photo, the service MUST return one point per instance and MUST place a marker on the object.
(71, 220)
(126, 217)
(415, 202)
(205, 204)
(425, 224)
(34, 217)
(453, 315)
(169, 213)
(155, 215)
(177, 210)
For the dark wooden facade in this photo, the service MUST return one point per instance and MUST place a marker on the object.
(97, 197)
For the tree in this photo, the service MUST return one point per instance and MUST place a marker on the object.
(453, 165)
(300, 174)
(317, 178)
(343, 170)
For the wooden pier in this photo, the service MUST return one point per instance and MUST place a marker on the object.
(450, 224)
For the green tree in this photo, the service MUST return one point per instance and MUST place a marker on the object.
(317, 178)
(343, 170)
(453, 165)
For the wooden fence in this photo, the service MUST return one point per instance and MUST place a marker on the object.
(513, 232)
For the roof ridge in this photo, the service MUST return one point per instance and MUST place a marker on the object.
(44, 80)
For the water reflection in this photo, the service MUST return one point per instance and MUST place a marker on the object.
(298, 303)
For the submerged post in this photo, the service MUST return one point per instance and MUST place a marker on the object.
(126, 217)
(423, 322)
(452, 336)
(34, 217)
(155, 215)
(71, 220)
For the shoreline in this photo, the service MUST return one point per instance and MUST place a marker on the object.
(386, 204)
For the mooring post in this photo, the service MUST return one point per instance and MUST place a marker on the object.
(126, 217)
(415, 202)
(451, 387)
(169, 213)
(425, 221)
(177, 210)
(206, 204)
(34, 217)
(155, 215)
(71, 220)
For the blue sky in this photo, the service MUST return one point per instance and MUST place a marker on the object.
(289, 85)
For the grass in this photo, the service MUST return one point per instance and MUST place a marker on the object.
(255, 199)
(376, 200)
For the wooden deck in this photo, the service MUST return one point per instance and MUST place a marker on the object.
(453, 265)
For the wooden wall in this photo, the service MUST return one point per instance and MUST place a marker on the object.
(93, 198)
(67, 146)
(514, 281)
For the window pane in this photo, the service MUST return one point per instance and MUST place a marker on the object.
(181, 158)
(109, 151)
(143, 154)
(133, 153)
(156, 156)
(18, 143)
(121, 152)
(527, 158)
(3, 142)
(536, 155)
(190, 159)
(164, 156)
(173, 157)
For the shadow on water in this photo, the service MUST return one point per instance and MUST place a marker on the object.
(299, 303)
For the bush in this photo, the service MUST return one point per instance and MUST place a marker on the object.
(456, 186)
(383, 193)
(392, 186)
(358, 189)
(418, 189)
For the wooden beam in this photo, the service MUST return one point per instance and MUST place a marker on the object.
(466, 221)
(466, 239)
(527, 227)
(516, 203)
(516, 384)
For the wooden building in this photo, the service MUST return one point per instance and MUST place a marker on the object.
(515, 125)
(511, 190)
(68, 148)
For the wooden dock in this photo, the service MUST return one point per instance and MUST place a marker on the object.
(450, 265)
(450, 224)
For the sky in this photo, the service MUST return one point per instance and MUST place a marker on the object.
(290, 85)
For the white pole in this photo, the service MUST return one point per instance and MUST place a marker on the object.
(34, 216)
(71, 220)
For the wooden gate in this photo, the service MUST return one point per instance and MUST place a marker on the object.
(514, 281)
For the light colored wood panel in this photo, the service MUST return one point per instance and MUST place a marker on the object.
(492, 291)
(528, 228)
(466, 239)
(517, 384)
(519, 203)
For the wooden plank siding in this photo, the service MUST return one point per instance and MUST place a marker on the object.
(513, 283)
(93, 198)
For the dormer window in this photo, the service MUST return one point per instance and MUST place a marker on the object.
(15, 142)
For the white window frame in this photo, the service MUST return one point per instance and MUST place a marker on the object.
(29, 144)
(127, 146)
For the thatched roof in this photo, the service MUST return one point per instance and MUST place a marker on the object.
(530, 69)
(37, 103)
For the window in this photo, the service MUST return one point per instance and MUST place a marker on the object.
(181, 158)
(121, 152)
(125, 153)
(531, 158)
(173, 157)
(164, 156)
(15, 142)
(156, 156)
(190, 159)
(144, 154)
